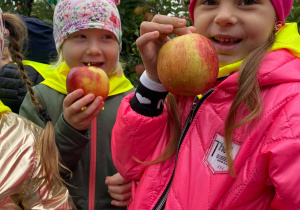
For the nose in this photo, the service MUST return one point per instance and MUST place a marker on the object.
(93, 48)
(10, 60)
(226, 15)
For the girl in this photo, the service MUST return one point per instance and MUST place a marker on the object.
(86, 33)
(29, 177)
(239, 145)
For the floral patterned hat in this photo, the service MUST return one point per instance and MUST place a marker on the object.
(1, 33)
(74, 15)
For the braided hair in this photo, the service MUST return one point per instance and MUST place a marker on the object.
(49, 155)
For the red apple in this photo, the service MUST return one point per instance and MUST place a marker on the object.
(188, 65)
(89, 78)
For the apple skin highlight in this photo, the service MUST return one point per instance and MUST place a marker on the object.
(188, 65)
(89, 78)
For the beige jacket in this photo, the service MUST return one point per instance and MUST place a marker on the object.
(21, 184)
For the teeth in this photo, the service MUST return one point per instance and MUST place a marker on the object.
(92, 64)
(226, 40)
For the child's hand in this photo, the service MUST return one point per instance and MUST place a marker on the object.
(153, 35)
(119, 189)
(75, 115)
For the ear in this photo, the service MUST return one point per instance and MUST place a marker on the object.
(6, 33)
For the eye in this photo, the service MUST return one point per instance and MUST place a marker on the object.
(247, 2)
(107, 36)
(80, 36)
(209, 2)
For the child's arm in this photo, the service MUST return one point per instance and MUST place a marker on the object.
(141, 129)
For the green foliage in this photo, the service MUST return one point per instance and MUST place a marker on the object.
(295, 13)
(42, 11)
(133, 13)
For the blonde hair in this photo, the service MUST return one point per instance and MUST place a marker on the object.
(248, 94)
(49, 154)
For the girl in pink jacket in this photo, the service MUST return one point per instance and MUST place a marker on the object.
(238, 147)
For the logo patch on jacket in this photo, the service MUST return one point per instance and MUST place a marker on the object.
(215, 157)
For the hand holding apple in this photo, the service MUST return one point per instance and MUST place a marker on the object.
(89, 78)
(188, 65)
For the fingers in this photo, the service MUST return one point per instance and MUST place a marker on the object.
(174, 21)
(119, 189)
(165, 25)
(73, 96)
(116, 179)
(119, 203)
(192, 29)
(121, 194)
(75, 100)
(74, 114)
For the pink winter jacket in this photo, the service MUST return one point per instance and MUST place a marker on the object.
(267, 161)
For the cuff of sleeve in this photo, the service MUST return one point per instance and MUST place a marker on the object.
(148, 83)
(72, 134)
(148, 102)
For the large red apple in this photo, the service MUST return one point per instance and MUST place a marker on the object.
(89, 78)
(188, 65)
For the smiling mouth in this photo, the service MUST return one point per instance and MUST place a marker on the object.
(94, 64)
(226, 41)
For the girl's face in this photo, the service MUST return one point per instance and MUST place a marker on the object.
(95, 47)
(6, 58)
(235, 27)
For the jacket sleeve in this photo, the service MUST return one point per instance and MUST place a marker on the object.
(136, 136)
(12, 86)
(71, 143)
(283, 151)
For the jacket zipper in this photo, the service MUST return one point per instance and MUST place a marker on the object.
(92, 179)
(196, 104)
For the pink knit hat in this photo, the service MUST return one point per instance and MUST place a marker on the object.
(282, 8)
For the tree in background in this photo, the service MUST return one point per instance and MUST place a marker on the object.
(133, 13)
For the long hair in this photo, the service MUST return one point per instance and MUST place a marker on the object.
(248, 96)
(49, 155)
(174, 123)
